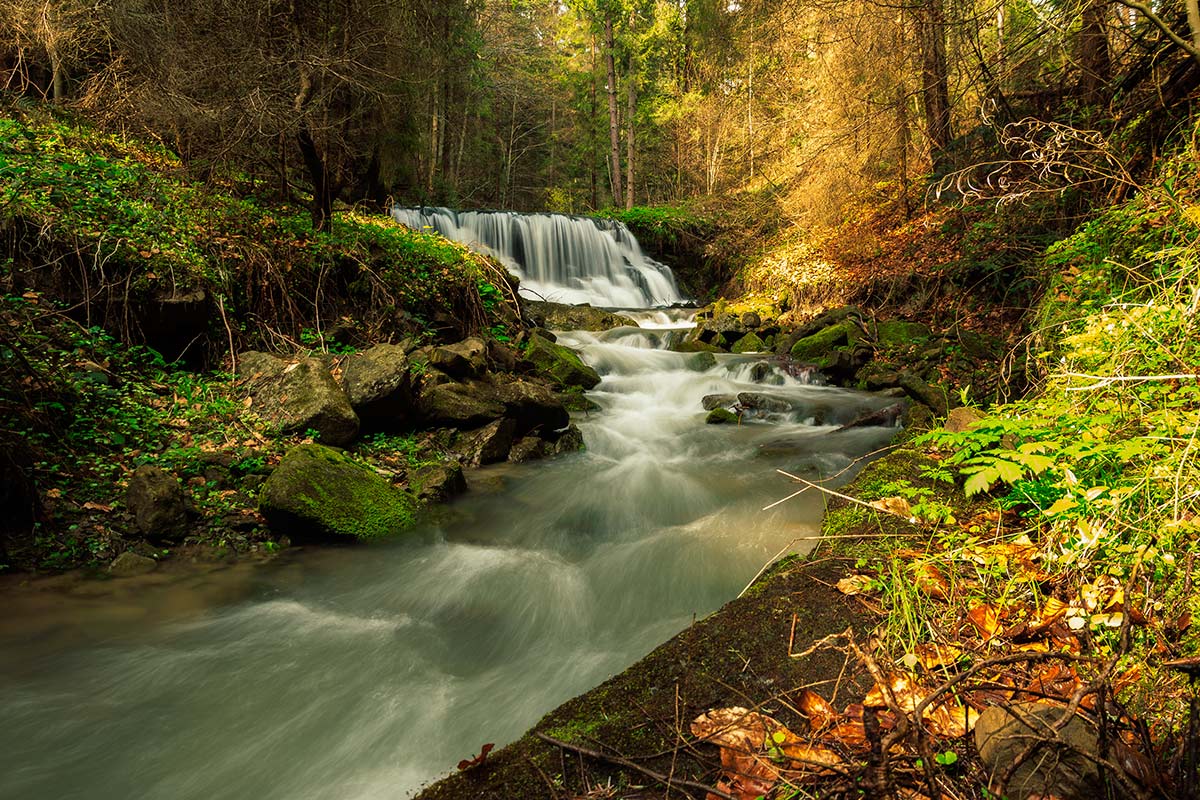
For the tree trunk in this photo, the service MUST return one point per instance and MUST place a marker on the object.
(935, 84)
(1095, 63)
(593, 144)
(630, 117)
(614, 138)
(318, 175)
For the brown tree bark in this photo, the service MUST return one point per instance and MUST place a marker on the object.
(935, 83)
(614, 138)
(1095, 61)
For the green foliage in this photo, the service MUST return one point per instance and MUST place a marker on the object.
(134, 212)
(662, 224)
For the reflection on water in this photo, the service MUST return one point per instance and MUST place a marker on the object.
(366, 672)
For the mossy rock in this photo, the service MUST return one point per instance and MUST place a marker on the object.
(318, 494)
(898, 333)
(721, 416)
(824, 341)
(561, 363)
(701, 362)
(691, 345)
(750, 343)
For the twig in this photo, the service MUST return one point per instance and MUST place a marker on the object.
(1101, 381)
(772, 560)
(624, 762)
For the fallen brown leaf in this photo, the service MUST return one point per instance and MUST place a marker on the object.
(986, 619)
(854, 584)
(816, 708)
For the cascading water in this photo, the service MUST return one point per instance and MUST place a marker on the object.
(561, 258)
(365, 672)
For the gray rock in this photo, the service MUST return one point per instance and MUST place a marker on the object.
(298, 395)
(962, 419)
(488, 445)
(378, 384)
(129, 564)
(922, 392)
(1059, 763)
(751, 320)
(575, 318)
(529, 448)
(466, 359)
(568, 440)
(460, 405)
(437, 483)
(763, 402)
(532, 406)
(318, 494)
(155, 499)
(711, 401)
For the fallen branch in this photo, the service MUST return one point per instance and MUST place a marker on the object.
(624, 762)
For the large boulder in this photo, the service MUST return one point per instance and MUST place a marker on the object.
(821, 344)
(298, 395)
(437, 483)
(559, 316)
(750, 343)
(532, 406)
(318, 494)
(1059, 761)
(129, 564)
(155, 499)
(465, 359)
(460, 405)
(488, 445)
(378, 383)
(561, 363)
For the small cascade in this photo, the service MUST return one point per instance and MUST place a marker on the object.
(561, 258)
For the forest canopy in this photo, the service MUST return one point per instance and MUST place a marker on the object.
(587, 104)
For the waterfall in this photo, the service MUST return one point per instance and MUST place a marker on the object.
(561, 258)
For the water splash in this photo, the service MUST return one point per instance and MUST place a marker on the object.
(561, 258)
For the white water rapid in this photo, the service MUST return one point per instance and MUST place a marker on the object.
(366, 672)
(560, 258)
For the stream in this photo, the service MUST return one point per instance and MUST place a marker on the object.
(368, 672)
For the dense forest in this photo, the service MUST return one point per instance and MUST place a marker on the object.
(585, 105)
(973, 220)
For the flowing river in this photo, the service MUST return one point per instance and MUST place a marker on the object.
(368, 672)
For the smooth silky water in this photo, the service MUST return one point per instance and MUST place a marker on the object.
(367, 672)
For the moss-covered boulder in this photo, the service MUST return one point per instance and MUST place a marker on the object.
(318, 494)
(560, 316)
(561, 363)
(721, 416)
(690, 345)
(750, 343)
(898, 333)
(298, 395)
(824, 341)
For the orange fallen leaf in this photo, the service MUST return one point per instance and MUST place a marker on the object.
(932, 655)
(986, 619)
(894, 505)
(930, 580)
(816, 708)
(90, 506)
